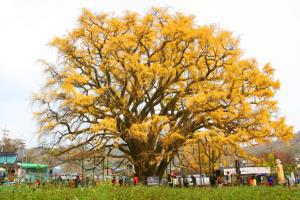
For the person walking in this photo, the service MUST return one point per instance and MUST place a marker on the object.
(114, 181)
(227, 181)
(270, 180)
(170, 180)
(120, 180)
(249, 181)
(135, 180)
(179, 182)
(72, 183)
(219, 181)
(254, 183)
(212, 180)
(185, 182)
(241, 180)
(127, 181)
(194, 180)
(77, 180)
(59, 179)
(37, 182)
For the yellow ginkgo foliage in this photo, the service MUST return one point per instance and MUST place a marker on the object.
(151, 83)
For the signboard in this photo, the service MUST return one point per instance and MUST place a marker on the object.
(255, 170)
(152, 180)
(248, 170)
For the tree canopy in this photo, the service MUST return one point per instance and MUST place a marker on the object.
(150, 84)
(9, 144)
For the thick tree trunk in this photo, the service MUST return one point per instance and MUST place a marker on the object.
(145, 170)
(162, 168)
(146, 159)
(143, 173)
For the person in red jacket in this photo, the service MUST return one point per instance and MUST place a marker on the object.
(114, 181)
(37, 182)
(72, 183)
(135, 180)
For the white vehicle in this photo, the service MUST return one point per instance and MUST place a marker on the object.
(66, 176)
(200, 180)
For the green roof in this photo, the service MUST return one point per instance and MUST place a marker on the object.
(32, 166)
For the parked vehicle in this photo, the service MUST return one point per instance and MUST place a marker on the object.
(200, 180)
(66, 176)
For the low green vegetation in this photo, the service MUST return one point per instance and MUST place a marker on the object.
(148, 193)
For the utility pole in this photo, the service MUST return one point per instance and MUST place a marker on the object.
(107, 165)
(94, 167)
(170, 166)
(199, 162)
(103, 168)
(82, 166)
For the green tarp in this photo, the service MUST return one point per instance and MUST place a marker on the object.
(32, 166)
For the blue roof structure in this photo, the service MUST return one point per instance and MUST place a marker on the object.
(8, 158)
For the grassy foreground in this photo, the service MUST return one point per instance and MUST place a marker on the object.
(148, 193)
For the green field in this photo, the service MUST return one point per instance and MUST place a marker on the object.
(149, 193)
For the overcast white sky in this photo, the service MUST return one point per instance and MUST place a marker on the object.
(269, 31)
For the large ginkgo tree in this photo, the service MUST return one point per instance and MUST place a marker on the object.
(150, 84)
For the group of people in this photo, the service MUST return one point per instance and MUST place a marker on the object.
(73, 183)
(240, 180)
(183, 181)
(252, 181)
(125, 181)
(122, 181)
(37, 183)
(219, 180)
(229, 180)
(261, 180)
(174, 181)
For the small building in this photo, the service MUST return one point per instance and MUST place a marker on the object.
(8, 162)
(8, 158)
(12, 169)
(28, 172)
